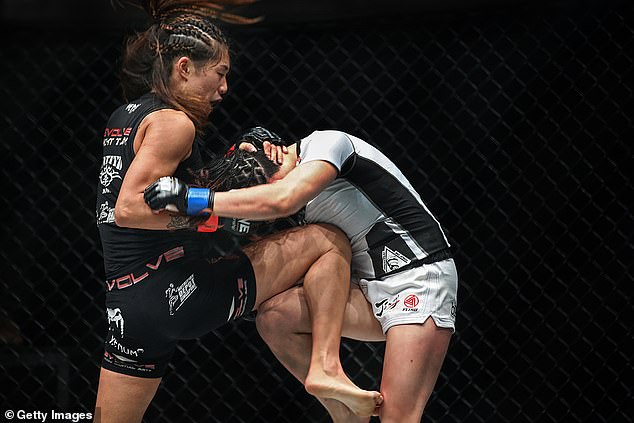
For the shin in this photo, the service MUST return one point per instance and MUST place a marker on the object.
(284, 324)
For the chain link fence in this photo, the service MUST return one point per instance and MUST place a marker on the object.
(514, 125)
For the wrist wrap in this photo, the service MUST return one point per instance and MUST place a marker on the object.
(199, 199)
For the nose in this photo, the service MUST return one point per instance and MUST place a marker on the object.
(224, 87)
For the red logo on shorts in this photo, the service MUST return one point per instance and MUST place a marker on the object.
(411, 301)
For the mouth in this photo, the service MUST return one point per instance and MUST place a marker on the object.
(214, 103)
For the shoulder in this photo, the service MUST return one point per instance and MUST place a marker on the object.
(169, 125)
(167, 129)
(328, 136)
(170, 118)
(331, 146)
(329, 140)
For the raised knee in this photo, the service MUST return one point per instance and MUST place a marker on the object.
(330, 237)
(269, 321)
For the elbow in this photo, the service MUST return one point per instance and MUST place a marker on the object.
(122, 216)
(285, 205)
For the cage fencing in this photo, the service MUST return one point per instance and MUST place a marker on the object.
(516, 128)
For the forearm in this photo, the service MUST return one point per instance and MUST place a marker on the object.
(263, 202)
(137, 214)
(279, 199)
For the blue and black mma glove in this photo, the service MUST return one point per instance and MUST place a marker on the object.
(172, 194)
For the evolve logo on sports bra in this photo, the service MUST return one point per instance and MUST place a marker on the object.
(116, 136)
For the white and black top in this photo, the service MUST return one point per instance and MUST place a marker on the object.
(387, 222)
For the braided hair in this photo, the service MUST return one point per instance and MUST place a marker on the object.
(240, 169)
(243, 169)
(179, 28)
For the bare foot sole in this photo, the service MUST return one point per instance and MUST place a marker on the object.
(362, 403)
(340, 413)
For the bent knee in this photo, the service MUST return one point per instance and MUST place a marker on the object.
(269, 320)
(330, 237)
(283, 314)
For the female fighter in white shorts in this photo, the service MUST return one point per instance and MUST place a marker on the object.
(401, 258)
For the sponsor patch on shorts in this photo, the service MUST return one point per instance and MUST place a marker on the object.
(176, 297)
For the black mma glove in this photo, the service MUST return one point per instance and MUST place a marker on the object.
(171, 194)
(257, 136)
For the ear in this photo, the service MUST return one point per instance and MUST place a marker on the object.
(184, 67)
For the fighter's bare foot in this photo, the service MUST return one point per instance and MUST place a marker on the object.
(339, 413)
(362, 403)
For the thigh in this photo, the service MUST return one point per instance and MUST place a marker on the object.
(123, 398)
(280, 260)
(291, 314)
(414, 354)
(359, 322)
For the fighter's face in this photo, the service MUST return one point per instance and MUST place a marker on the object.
(207, 82)
(211, 81)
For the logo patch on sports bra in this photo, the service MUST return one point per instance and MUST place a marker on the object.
(131, 108)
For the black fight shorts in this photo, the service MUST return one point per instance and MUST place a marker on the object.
(172, 297)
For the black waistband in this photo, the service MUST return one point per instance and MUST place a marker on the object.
(437, 256)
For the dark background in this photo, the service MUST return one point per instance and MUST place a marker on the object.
(512, 119)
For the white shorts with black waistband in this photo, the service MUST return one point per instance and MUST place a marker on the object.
(414, 295)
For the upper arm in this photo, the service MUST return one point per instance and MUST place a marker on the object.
(323, 156)
(331, 146)
(165, 138)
